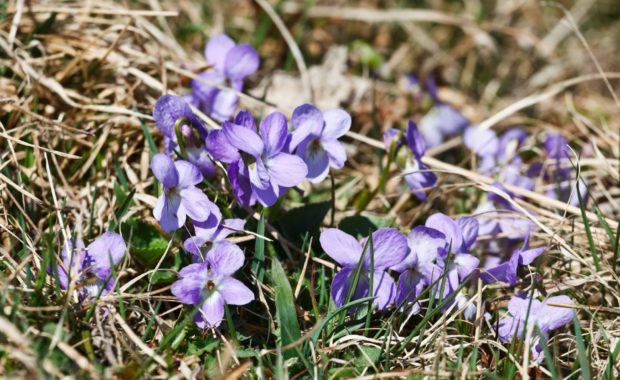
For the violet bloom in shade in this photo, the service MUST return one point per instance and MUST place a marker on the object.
(551, 314)
(460, 235)
(90, 268)
(412, 83)
(419, 268)
(168, 111)
(511, 174)
(271, 170)
(210, 286)
(181, 197)
(231, 63)
(495, 270)
(442, 120)
(417, 174)
(484, 143)
(389, 249)
(315, 139)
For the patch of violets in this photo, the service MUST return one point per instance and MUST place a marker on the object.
(421, 258)
(208, 282)
(264, 161)
(90, 268)
(435, 257)
(499, 158)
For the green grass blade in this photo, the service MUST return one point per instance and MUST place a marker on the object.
(258, 263)
(285, 306)
(582, 353)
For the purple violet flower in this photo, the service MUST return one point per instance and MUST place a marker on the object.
(509, 144)
(231, 63)
(270, 169)
(210, 233)
(495, 270)
(460, 235)
(168, 110)
(442, 120)
(219, 147)
(389, 249)
(91, 267)
(181, 197)
(417, 174)
(419, 268)
(559, 172)
(469, 311)
(487, 224)
(496, 153)
(210, 284)
(315, 139)
(541, 314)
(483, 142)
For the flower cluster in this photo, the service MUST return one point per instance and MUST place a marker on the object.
(499, 158)
(422, 258)
(262, 163)
(207, 283)
(435, 257)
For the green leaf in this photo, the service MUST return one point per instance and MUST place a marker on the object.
(285, 307)
(357, 225)
(368, 56)
(146, 244)
(298, 222)
(368, 356)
